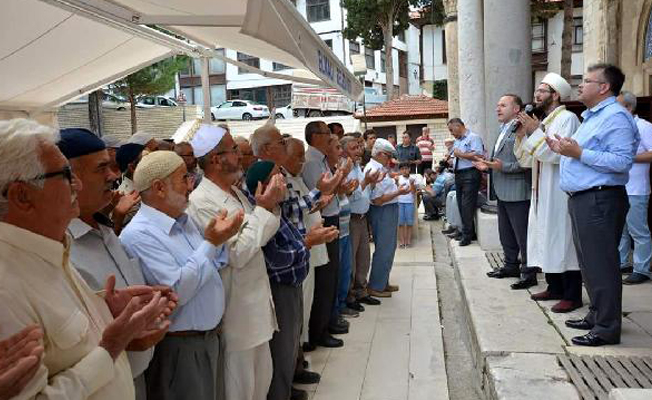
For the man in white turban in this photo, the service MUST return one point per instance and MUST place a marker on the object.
(550, 244)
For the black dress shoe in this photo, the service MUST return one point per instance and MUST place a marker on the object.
(307, 378)
(579, 324)
(465, 242)
(523, 284)
(590, 339)
(330, 341)
(355, 306)
(369, 300)
(337, 329)
(454, 234)
(308, 347)
(501, 273)
(448, 231)
(627, 270)
(298, 394)
(635, 278)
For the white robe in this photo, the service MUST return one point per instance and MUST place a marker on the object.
(550, 240)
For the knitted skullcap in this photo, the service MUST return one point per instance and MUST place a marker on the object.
(258, 172)
(155, 165)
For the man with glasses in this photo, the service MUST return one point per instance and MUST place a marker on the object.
(84, 334)
(184, 150)
(594, 170)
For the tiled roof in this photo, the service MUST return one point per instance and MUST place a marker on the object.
(407, 107)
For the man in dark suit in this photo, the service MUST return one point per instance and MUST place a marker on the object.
(513, 186)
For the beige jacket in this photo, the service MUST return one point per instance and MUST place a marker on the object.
(38, 286)
(249, 319)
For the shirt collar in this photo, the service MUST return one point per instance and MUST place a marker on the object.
(604, 103)
(78, 228)
(316, 152)
(376, 164)
(30, 242)
(160, 219)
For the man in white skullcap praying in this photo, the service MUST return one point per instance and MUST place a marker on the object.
(550, 240)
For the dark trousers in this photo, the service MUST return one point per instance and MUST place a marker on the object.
(567, 284)
(325, 289)
(467, 184)
(421, 168)
(430, 205)
(598, 218)
(284, 345)
(512, 227)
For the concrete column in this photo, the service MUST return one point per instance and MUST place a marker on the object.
(452, 64)
(601, 20)
(508, 59)
(206, 89)
(470, 42)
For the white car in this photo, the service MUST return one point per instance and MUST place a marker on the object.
(284, 112)
(239, 109)
(155, 101)
(108, 101)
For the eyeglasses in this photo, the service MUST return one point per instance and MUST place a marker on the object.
(542, 91)
(66, 172)
(234, 149)
(587, 81)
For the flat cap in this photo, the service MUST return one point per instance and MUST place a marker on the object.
(77, 142)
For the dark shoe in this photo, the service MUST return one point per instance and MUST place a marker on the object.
(305, 363)
(465, 242)
(428, 217)
(355, 306)
(349, 313)
(298, 394)
(635, 278)
(454, 234)
(545, 295)
(501, 273)
(307, 378)
(331, 342)
(448, 231)
(342, 322)
(336, 329)
(458, 238)
(369, 301)
(590, 339)
(565, 306)
(308, 347)
(627, 270)
(524, 284)
(581, 324)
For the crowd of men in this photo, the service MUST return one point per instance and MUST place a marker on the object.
(201, 269)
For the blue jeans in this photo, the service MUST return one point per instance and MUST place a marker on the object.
(344, 278)
(384, 223)
(636, 227)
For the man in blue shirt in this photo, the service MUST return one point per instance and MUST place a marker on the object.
(466, 148)
(173, 252)
(594, 172)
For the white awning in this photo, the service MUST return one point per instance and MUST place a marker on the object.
(52, 51)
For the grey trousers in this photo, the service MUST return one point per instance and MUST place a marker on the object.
(184, 368)
(361, 257)
(284, 345)
(598, 219)
(512, 227)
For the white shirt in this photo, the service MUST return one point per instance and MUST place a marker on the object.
(639, 175)
(386, 186)
(405, 182)
(506, 127)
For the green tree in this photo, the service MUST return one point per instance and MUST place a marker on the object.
(154, 80)
(440, 89)
(375, 21)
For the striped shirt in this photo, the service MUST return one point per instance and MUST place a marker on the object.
(345, 216)
(426, 146)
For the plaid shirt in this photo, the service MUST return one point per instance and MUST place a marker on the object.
(294, 205)
(286, 254)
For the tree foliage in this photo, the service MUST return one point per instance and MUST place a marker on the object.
(154, 80)
(440, 89)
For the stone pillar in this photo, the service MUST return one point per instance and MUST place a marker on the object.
(601, 28)
(452, 64)
(470, 41)
(508, 59)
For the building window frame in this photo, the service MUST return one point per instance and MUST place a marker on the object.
(578, 34)
(370, 58)
(539, 35)
(318, 10)
(249, 60)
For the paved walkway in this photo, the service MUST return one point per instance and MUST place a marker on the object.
(393, 351)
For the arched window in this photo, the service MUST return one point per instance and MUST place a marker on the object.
(648, 40)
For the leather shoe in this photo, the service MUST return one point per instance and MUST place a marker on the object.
(298, 394)
(330, 341)
(565, 306)
(391, 288)
(464, 242)
(307, 377)
(579, 324)
(524, 284)
(448, 231)
(379, 294)
(501, 273)
(337, 329)
(635, 279)
(369, 301)
(627, 270)
(590, 339)
(545, 295)
(454, 234)
(308, 347)
(355, 306)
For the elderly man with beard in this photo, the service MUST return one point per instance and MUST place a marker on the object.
(84, 333)
(550, 239)
(172, 252)
(249, 320)
(185, 151)
(383, 214)
(96, 251)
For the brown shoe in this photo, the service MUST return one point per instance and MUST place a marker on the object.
(379, 294)
(565, 306)
(391, 288)
(545, 295)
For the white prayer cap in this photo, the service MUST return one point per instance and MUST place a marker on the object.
(382, 145)
(156, 165)
(141, 138)
(559, 84)
(112, 141)
(202, 137)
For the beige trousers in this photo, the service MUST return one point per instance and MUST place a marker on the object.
(248, 373)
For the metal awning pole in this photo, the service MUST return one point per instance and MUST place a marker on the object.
(206, 90)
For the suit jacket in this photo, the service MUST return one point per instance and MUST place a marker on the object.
(513, 183)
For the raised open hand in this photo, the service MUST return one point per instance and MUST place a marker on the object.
(220, 228)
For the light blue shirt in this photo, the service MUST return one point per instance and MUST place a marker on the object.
(359, 199)
(469, 143)
(609, 138)
(174, 253)
(314, 167)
